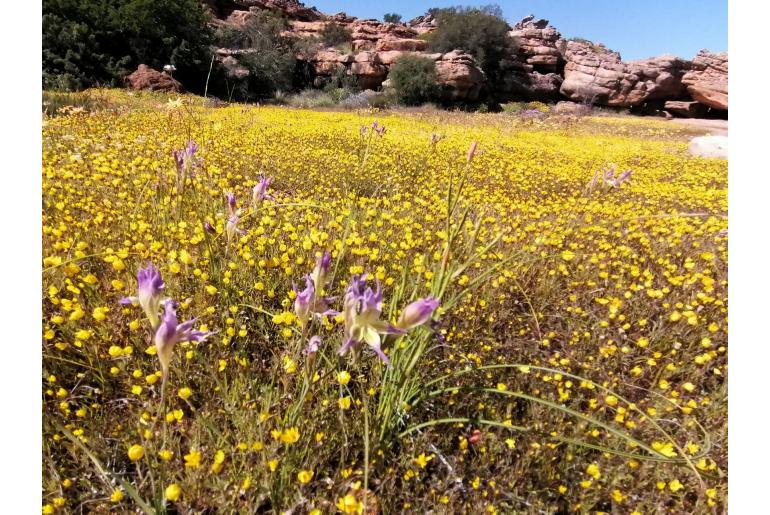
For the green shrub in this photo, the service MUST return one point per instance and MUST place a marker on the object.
(480, 31)
(270, 59)
(313, 99)
(414, 80)
(392, 18)
(334, 34)
(92, 42)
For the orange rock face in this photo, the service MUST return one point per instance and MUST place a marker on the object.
(544, 67)
(145, 78)
(707, 81)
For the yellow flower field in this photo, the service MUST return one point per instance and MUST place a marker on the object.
(576, 362)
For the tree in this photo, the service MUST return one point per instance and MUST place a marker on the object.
(334, 34)
(480, 31)
(392, 18)
(270, 57)
(89, 42)
(414, 79)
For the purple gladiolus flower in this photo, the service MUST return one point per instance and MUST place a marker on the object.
(185, 158)
(231, 228)
(608, 177)
(321, 270)
(309, 303)
(313, 345)
(149, 293)
(363, 308)
(231, 203)
(303, 300)
(417, 313)
(170, 332)
(259, 193)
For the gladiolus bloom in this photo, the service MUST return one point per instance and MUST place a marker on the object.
(321, 270)
(362, 311)
(170, 332)
(259, 193)
(149, 291)
(308, 303)
(417, 313)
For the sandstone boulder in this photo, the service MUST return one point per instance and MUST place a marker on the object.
(595, 74)
(145, 78)
(709, 146)
(538, 44)
(706, 82)
(368, 70)
(291, 9)
(686, 109)
(460, 76)
(402, 45)
(422, 24)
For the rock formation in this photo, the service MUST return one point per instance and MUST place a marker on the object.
(145, 78)
(459, 75)
(707, 80)
(545, 66)
(593, 74)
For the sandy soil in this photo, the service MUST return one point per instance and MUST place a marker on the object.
(713, 127)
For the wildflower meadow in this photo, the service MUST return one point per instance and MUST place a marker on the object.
(257, 309)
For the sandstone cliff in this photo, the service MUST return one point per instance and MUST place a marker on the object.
(546, 66)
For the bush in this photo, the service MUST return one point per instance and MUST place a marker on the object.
(92, 42)
(334, 34)
(312, 99)
(392, 18)
(366, 99)
(270, 62)
(480, 31)
(414, 80)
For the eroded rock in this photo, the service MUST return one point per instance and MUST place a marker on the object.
(145, 78)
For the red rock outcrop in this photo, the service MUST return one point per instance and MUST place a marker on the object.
(292, 9)
(459, 74)
(145, 78)
(538, 44)
(595, 74)
(707, 80)
(545, 66)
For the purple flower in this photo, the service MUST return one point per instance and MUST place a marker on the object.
(362, 311)
(149, 292)
(170, 332)
(308, 303)
(530, 114)
(208, 227)
(608, 177)
(231, 202)
(417, 313)
(260, 193)
(303, 300)
(185, 158)
(624, 176)
(231, 228)
(313, 345)
(321, 270)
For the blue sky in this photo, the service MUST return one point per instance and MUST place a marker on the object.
(635, 29)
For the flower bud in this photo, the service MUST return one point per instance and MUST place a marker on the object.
(417, 313)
